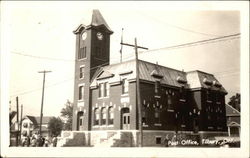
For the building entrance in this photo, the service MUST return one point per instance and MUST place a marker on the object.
(80, 121)
(125, 119)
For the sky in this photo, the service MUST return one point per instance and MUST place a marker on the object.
(40, 37)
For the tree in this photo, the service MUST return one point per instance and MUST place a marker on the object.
(55, 126)
(234, 101)
(67, 114)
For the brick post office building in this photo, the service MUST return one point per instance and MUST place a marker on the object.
(172, 101)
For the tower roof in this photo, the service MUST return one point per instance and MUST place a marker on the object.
(97, 20)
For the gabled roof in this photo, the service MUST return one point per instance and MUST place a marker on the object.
(12, 115)
(36, 120)
(231, 111)
(97, 20)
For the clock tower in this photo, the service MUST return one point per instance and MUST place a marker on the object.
(92, 52)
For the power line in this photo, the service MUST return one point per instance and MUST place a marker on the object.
(40, 57)
(178, 27)
(202, 42)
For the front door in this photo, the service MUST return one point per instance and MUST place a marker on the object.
(81, 123)
(126, 121)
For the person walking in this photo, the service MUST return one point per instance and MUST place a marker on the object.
(33, 141)
(28, 141)
(166, 141)
(54, 141)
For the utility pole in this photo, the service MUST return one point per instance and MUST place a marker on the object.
(41, 114)
(21, 120)
(138, 94)
(17, 119)
(121, 47)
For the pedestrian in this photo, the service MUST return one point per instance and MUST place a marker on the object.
(46, 142)
(24, 139)
(33, 141)
(28, 141)
(43, 141)
(166, 141)
(54, 141)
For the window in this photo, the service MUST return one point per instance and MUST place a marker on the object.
(158, 140)
(80, 123)
(103, 89)
(143, 117)
(81, 92)
(82, 53)
(25, 125)
(96, 116)
(111, 115)
(106, 89)
(125, 86)
(157, 116)
(157, 87)
(81, 72)
(182, 94)
(209, 96)
(104, 116)
(170, 104)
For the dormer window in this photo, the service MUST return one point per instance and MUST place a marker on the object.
(181, 80)
(217, 84)
(207, 81)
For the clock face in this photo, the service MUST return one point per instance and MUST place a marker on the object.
(99, 35)
(84, 35)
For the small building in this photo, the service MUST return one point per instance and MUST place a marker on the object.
(233, 121)
(31, 125)
(13, 128)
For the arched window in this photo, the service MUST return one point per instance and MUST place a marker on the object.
(96, 116)
(104, 116)
(111, 115)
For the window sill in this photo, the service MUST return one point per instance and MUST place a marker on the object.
(157, 124)
(144, 125)
(209, 101)
(157, 96)
(218, 102)
(182, 100)
(103, 97)
(170, 110)
(80, 100)
(82, 59)
(124, 95)
(183, 125)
